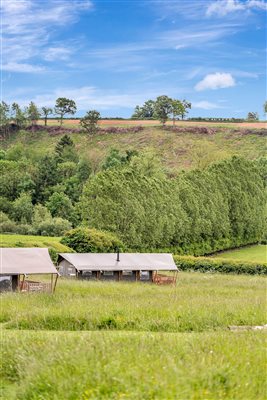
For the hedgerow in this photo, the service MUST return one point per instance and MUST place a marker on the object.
(205, 264)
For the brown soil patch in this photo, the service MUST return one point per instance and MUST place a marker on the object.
(256, 125)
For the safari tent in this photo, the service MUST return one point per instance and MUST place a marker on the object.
(16, 264)
(144, 267)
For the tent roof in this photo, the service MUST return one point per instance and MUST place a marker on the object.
(128, 261)
(14, 261)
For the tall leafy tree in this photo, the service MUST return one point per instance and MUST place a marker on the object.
(18, 116)
(89, 121)
(4, 117)
(65, 106)
(23, 208)
(186, 106)
(33, 113)
(147, 111)
(177, 109)
(163, 108)
(60, 205)
(46, 177)
(65, 149)
(46, 111)
(253, 116)
(197, 213)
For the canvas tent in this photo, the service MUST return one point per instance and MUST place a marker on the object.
(17, 263)
(117, 266)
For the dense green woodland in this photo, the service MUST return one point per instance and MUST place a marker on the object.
(197, 212)
(132, 196)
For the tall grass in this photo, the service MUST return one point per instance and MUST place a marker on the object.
(198, 303)
(133, 366)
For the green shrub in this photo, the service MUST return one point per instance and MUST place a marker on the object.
(53, 227)
(91, 241)
(53, 254)
(6, 225)
(202, 264)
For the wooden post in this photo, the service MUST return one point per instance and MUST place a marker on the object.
(51, 289)
(55, 284)
(22, 284)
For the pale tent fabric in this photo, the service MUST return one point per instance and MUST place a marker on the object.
(128, 261)
(19, 261)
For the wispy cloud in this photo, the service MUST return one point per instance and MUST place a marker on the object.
(57, 53)
(27, 27)
(22, 67)
(219, 80)
(205, 105)
(91, 97)
(87, 97)
(186, 9)
(135, 54)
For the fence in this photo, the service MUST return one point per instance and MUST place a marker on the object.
(33, 286)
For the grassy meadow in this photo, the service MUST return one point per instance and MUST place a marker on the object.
(136, 341)
(199, 302)
(134, 366)
(257, 253)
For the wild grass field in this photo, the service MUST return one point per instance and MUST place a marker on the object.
(32, 241)
(136, 341)
(176, 150)
(133, 366)
(257, 253)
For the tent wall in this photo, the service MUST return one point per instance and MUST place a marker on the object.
(67, 270)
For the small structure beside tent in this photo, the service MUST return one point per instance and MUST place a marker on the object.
(144, 267)
(17, 263)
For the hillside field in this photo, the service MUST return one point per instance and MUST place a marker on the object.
(176, 149)
(32, 241)
(257, 253)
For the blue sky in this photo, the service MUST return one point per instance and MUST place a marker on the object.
(112, 55)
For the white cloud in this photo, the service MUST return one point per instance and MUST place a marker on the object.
(205, 105)
(86, 98)
(22, 67)
(224, 7)
(219, 80)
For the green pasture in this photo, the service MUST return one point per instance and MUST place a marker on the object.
(132, 365)
(257, 253)
(32, 241)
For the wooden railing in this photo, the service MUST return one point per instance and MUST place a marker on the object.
(161, 279)
(33, 286)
